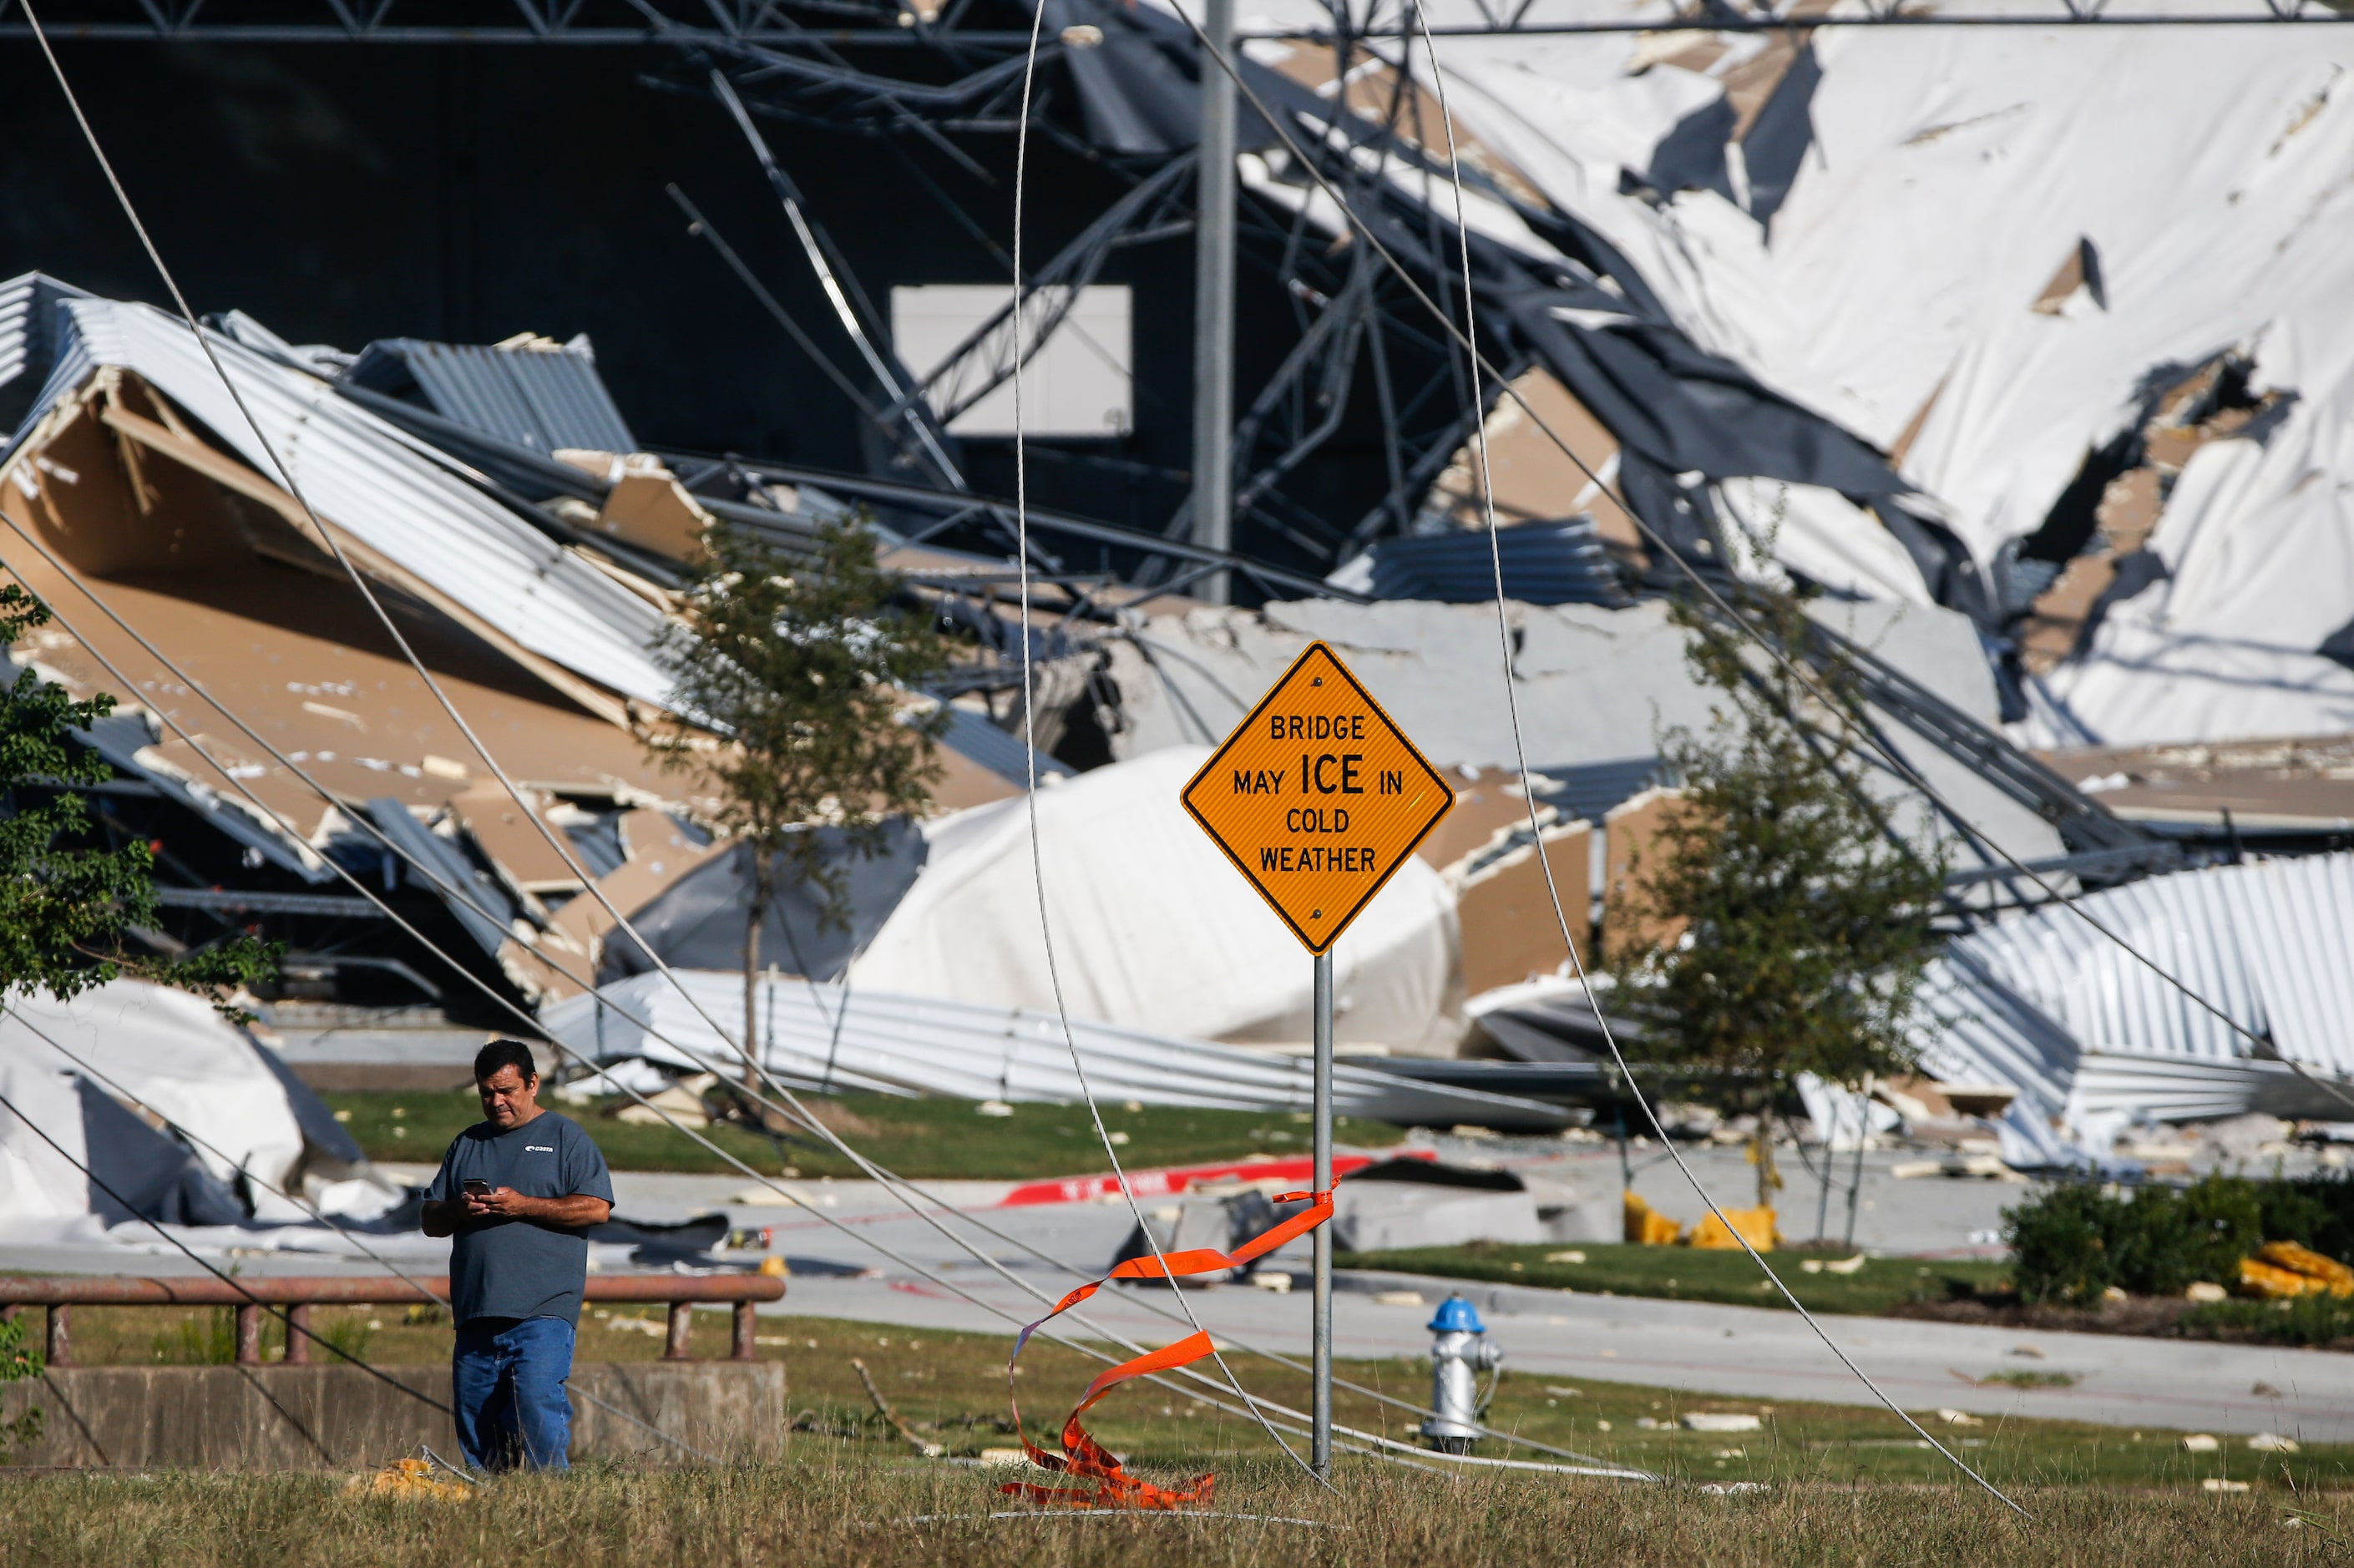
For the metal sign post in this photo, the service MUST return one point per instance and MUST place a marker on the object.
(1318, 798)
(1319, 1329)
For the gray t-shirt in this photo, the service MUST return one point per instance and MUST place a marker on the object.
(512, 1268)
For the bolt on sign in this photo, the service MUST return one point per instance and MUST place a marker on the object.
(1318, 798)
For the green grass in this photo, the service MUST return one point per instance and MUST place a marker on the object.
(1683, 1274)
(198, 1339)
(922, 1138)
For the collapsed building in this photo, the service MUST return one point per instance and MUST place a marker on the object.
(2071, 481)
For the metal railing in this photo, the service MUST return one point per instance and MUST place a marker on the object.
(299, 1294)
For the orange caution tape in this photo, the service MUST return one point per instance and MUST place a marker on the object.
(1082, 1455)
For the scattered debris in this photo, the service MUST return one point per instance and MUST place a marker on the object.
(1720, 1421)
(2272, 1443)
(2199, 1443)
(415, 1480)
(1010, 1458)
(927, 1449)
(2285, 1270)
(1724, 1230)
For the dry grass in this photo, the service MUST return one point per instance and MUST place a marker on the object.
(952, 1388)
(869, 1513)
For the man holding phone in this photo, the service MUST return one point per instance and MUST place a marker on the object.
(518, 1190)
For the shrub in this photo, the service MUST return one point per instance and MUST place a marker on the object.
(2318, 1210)
(2076, 1239)
(18, 1361)
(2299, 1320)
(2060, 1242)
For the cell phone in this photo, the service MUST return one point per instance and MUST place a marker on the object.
(477, 1186)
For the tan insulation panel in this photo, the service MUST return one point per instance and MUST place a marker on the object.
(1511, 931)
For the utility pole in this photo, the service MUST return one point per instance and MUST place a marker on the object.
(1214, 301)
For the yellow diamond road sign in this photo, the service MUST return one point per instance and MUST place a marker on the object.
(1318, 798)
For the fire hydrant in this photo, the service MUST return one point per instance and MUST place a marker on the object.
(1459, 1352)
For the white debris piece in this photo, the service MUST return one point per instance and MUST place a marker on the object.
(1720, 1421)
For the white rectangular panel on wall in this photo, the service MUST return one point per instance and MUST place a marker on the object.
(1076, 385)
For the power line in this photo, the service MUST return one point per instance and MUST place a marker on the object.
(1527, 789)
(327, 536)
(895, 1185)
(225, 1278)
(1896, 762)
(1030, 751)
(322, 1217)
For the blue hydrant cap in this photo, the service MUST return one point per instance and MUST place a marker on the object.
(1457, 1316)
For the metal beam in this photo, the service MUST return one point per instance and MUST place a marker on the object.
(561, 24)
(1214, 305)
(901, 493)
(220, 901)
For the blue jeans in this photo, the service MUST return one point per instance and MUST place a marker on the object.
(508, 1375)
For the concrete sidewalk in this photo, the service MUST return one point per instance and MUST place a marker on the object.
(1703, 1348)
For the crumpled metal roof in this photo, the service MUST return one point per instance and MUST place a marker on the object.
(1542, 563)
(833, 1037)
(2033, 1001)
(372, 480)
(543, 397)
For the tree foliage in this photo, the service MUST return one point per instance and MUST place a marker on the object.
(66, 904)
(803, 668)
(1804, 919)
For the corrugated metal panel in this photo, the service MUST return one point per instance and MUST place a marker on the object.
(2033, 1000)
(376, 483)
(1590, 790)
(975, 738)
(1544, 563)
(537, 398)
(2117, 1087)
(822, 1036)
(28, 340)
(461, 880)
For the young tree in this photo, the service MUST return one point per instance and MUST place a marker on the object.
(65, 905)
(1803, 917)
(803, 668)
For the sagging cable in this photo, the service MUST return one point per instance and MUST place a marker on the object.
(1521, 757)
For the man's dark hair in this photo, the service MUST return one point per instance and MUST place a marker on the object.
(501, 1054)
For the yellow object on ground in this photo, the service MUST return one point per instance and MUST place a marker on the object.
(1649, 1226)
(412, 1479)
(1754, 1226)
(2327, 1272)
(2258, 1277)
